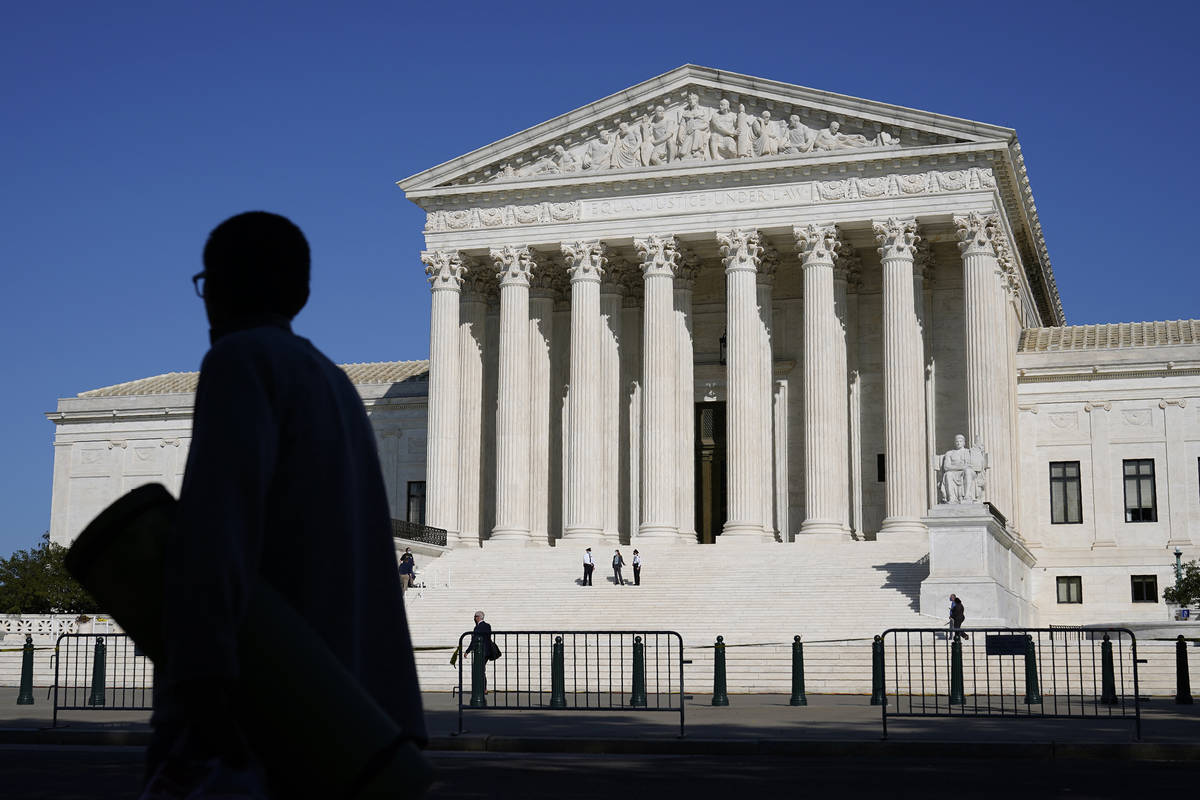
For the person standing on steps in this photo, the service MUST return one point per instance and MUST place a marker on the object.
(958, 613)
(618, 562)
(589, 564)
(637, 569)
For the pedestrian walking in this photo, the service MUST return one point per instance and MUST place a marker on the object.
(589, 564)
(406, 572)
(637, 568)
(958, 613)
(481, 642)
(618, 562)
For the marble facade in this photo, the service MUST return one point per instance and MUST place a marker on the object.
(823, 291)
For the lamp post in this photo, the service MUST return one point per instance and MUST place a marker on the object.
(1178, 568)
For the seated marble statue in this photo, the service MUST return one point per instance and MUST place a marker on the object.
(962, 473)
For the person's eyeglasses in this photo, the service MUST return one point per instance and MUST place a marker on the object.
(198, 283)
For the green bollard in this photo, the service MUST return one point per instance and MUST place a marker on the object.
(25, 696)
(558, 675)
(878, 698)
(798, 696)
(478, 673)
(1033, 694)
(956, 675)
(1183, 681)
(97, 698)
(720, 697)
(637, 698)
(1108, 680)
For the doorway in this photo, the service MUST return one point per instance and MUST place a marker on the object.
(710, 471)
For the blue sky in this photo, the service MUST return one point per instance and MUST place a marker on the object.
(130, 130)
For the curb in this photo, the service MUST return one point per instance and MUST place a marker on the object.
(790, 748)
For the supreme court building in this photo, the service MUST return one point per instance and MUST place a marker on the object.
(713, 309)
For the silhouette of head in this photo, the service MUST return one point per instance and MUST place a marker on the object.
(255, 263)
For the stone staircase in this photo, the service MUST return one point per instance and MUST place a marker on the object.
(837, 595)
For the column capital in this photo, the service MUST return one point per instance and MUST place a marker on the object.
(445, 269)
(897, 238)
(768, 265)
(660, 254)
(741, 250)
(514, 264)
(976, 233)
(616, 276)
(543, 283)
(817, 244)
(585, 260)
(1009, 278)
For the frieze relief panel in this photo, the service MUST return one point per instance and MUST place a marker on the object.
(806, 193)
(698, 124)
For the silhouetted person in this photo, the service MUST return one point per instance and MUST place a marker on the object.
(283, 485)
(958, 613)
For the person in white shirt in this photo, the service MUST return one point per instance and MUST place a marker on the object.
(637, 569)
(589, 564)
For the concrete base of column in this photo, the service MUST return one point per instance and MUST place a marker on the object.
(650, 531)
(823, 527)
(741, 530)
(583, 534)
(903, 526)
(509, 535)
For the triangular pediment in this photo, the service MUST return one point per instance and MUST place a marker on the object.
(695, 115)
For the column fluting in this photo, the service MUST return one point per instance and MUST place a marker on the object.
(660, 260)
(685, 469)
(514, 265)
(983, 324)
(825, 400)
(742, 253)
(612, 290)
(541, 326)
(585, 264)
(471, 344)
(445, 271)
(903, 385)
(764, 284)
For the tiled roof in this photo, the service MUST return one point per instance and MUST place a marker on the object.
(185, 382)
(1110, 336)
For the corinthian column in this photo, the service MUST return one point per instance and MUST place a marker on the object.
(825, 400)
(985, 324)
(612, 351)
(514, 265)
(903, 387)
(742, 252)
(660, 259)
(585, 264)
(445, 271)
(471, 344)
(685, 463)
(764, 283)
(541, 327)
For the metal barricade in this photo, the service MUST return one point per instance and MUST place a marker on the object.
(577, 671)
(101, 672)
(1053, 673)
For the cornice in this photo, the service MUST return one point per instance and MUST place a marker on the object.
(1101, 372)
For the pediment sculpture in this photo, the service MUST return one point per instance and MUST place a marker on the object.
(694, 132)
(962, 472)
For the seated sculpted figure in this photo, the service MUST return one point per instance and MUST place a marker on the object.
(962, 473)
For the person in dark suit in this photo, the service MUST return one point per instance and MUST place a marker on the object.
(481, 642)
(958, 613)
(618, 562)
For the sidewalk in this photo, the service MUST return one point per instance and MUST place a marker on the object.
(830, 726)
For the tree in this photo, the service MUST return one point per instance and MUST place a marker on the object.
(36, 581)
(1188, 590)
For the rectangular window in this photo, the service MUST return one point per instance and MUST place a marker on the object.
(880, 468)
(1140, 503)
(1070, 589)
(416, 502)
(1144, 587)
(1065, 493)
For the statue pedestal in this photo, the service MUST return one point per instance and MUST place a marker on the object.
(973, 555)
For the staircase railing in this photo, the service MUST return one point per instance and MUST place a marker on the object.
(415, 532)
